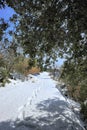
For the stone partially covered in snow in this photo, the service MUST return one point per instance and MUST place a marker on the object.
(75, 106)
(32, 78)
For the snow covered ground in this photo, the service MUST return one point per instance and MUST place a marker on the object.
(36, 104)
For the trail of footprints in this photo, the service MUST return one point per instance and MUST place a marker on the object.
(21, 114)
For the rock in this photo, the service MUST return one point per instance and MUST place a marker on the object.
(17, 76)
(63, 86)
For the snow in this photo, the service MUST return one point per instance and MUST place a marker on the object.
(36, 104)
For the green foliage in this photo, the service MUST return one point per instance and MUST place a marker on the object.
(74, 74)
(84, 110)
(32, 63)
(75, 67)
(21, 64)
(83, 91)
(47, 28)
(3, 27)
(3, 76)
(1, 60)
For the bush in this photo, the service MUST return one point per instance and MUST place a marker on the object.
(34, 70)
(20, 65)
(84, 110)
(1, 60)
(3, 76)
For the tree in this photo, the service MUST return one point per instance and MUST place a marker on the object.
(38, 32)
(48, 27)
(3, 27)
(51, 28)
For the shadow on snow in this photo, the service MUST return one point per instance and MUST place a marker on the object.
(58, 116)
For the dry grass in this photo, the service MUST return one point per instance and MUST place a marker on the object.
(22, 66)
(33, 70)
(74, 92)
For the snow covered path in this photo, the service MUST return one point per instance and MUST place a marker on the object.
(36, 104)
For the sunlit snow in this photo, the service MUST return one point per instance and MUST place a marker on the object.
(36, 104)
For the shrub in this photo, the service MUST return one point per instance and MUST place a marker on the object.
(20, 65)
(84, 110)
(3, 76)
(34, 70)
